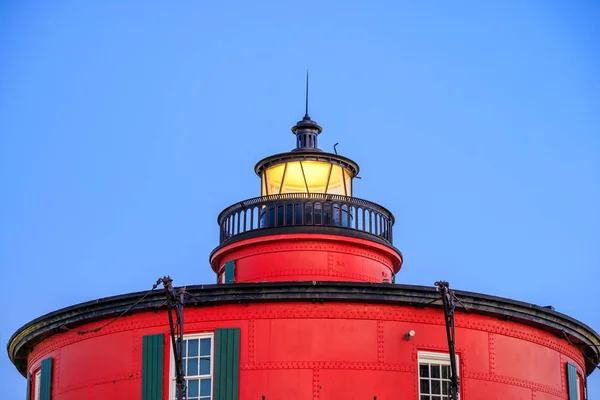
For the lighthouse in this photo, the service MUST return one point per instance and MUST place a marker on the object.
(307, 303)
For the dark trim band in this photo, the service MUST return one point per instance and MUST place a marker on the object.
(336, 159)
(298, 229)
(31, 334)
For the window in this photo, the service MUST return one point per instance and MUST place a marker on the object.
(306, 177)
(37, 385)
(434, 376)
(229, 272)
(197, 356)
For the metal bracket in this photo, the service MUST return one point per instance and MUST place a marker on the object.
(175, 303)
(448, 305)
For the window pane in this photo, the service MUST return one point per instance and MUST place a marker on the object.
(435, 371)
(192, 386)
(445, 371)
(348, 183)
(192, 347)
(424, 386)
(204, 366)
(184, 348)
(192, 367)
(274, 178)
(318, 213)
(446, 387)
(317, 173)
(336, 181)
(435, 387)
(424, 370)
(425, 397)
(205, 387)
(205, 347)
(293, 182)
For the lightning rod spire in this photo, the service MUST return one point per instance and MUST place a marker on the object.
(306, 114)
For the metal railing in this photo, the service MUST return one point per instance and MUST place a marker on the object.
(305, 209)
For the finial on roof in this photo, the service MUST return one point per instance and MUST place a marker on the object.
(306, 130)
(306, 113)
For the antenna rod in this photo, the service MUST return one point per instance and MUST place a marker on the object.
(306, 114)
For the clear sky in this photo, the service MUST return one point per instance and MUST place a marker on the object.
(126, 127)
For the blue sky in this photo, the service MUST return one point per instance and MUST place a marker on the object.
(126, 127)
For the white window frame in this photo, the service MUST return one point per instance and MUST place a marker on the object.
(579, 387)
(37, 385)
(434, 358)
(172, 383)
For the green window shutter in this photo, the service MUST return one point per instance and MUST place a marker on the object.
(152, 367)
(572, 381)
(227, 364)
(230, 271)
(46, 379)
(28, 392)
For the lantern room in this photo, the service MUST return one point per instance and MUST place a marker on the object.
(306, 169)
(306, 173)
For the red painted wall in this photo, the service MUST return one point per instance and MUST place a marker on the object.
(308, 257)
(321, 351)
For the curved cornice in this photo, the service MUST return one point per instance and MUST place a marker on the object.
(580, 335)
(336, 159)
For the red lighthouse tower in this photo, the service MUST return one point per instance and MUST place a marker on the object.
(305, 307)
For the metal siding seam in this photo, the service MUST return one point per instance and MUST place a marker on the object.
(235, 379)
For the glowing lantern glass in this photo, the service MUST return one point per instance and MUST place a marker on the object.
(306, 177)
